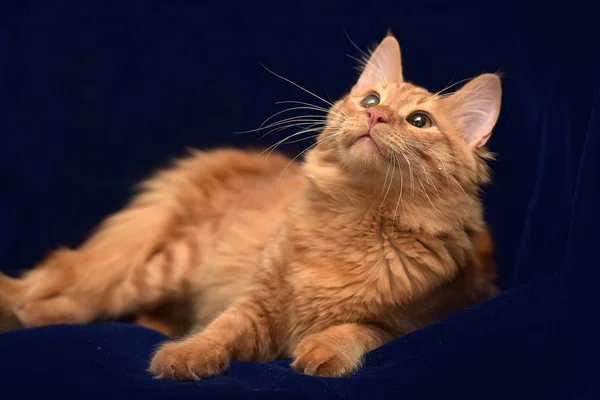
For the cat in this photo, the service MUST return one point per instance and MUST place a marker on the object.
(379, 231)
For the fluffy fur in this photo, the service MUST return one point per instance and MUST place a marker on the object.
(377, 233)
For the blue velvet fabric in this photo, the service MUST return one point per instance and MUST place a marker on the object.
(97, 93)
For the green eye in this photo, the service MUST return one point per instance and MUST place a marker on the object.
(370, 100)
(420, 120)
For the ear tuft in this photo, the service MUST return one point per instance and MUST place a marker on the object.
(476, 108)
(384, 66)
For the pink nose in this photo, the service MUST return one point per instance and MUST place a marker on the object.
(375, 117)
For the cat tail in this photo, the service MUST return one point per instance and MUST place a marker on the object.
(9, 287)
(123, 268)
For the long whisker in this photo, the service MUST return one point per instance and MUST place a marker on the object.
(301, 118)
(458, 183)
(272, 148)
(386, 175)
(448, 175)
(401, 189)
(305, 138)
(288, 123)
(401, 179)
(354, 44)
(366, 61)
(428, 150)
(298, 121)
(362, 64)
(262, 125)
(313, 126)
(307, 149)
(391, 179)
(313, 107)
(428, 178)
(412, 181)
(428, 198)
(418, 178)
(444, 89)
(303, 89)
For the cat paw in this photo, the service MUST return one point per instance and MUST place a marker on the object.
(320, 356)
(191, 359)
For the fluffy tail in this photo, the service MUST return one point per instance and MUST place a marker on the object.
(122, 268)
(9, 288)
(140, 257)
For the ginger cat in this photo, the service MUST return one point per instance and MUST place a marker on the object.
(378, 232)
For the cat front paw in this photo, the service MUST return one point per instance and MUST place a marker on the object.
(319, 355)
(191, 359)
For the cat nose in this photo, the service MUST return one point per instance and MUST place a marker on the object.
(376, 116)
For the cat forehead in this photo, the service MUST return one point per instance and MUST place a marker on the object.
(407, 92)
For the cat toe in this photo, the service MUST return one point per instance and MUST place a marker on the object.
(189, 360)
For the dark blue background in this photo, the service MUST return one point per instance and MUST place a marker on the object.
(97, 93)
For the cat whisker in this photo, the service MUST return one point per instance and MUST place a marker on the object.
(448, 175)
(355, 45)
(306, 138)
(412, 181)
(458, 183)
(291, 124)
(314, 107)
(303, 89)
(304, 118)
(366, 59)
(307, 149)
(277, 144)
(428, 151)
(303, 122)
(446, 88)
(262, 126)
(401, 189)
(418, 178)
(428, 178)
(303, 125)
(386, 175)
(437, 155)
(365, 63)
(426, 194)
(361, 63)
(401, 178)
(391, 179)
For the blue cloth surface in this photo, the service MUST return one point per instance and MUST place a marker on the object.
(96, 94)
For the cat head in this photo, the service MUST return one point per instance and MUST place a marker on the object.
(387, 131)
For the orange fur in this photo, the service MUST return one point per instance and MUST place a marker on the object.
(364, 241)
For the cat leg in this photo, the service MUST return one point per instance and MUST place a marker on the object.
(243, 332)
(339, 350)
(173, 319)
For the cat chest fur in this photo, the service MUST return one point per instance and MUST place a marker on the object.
(357, 273)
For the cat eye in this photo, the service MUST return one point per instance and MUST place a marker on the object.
(370, 100)
(420, 120)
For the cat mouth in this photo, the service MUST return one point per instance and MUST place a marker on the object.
(369, 140)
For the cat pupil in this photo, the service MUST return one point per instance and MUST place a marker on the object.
(419, 120)
(370, 100)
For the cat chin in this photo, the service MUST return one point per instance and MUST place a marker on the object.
(365, 151)
(364, 160)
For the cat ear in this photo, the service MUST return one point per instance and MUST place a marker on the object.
(384, 66)
(476, 107)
